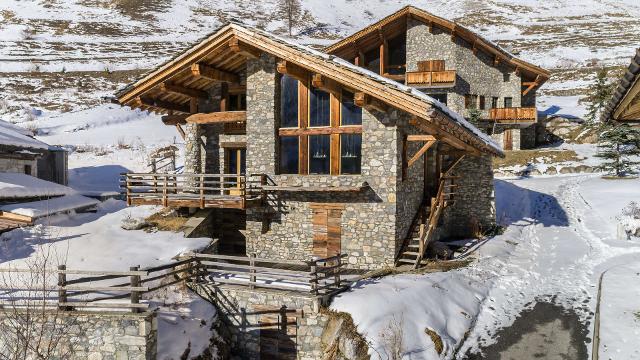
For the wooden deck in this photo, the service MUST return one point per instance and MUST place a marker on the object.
(204, 191)
(520, 115)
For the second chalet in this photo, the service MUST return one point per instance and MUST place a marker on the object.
(300, 153)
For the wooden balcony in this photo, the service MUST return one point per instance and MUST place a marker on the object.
(203, 191)
(432, 79)
(521, 115)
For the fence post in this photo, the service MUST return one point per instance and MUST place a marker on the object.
(252, 270)
(336, 271)
(314, 277)
(62, 281)
(135, 282)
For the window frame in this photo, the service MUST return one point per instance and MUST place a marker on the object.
(303, 131)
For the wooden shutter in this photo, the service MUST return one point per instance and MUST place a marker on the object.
(508, 140)
(327, 229)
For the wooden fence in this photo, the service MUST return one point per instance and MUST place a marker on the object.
(192, 190)
(69, 290)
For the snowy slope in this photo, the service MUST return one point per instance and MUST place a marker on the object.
(77, 52)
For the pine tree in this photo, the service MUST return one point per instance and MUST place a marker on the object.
(616, 144)
(599, 95)
(291, 10)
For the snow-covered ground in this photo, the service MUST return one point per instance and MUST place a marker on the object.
(561, 233)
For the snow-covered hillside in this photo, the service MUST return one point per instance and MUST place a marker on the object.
(67, 55)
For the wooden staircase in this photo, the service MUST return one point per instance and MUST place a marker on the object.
(425, 223)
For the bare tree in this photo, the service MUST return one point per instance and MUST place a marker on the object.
(392, 339)
(292, 11)
(32, 325)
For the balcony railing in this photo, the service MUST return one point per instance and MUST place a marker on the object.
(445, 78)
(193, 190)
(513, 115)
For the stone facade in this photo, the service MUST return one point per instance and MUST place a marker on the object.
(244, 311)
(100, 336)
(11, 164)
(474, 206)
(475, 74)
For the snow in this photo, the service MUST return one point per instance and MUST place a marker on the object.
(11, 135)
(560, 235)
(16, 185)
(42, 208)
(620, 313)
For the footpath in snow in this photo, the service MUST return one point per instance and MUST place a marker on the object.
(561, 233)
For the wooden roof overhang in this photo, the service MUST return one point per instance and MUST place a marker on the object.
(213, 50)
(624, 105)
(392, 24)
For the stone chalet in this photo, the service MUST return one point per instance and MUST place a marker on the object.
(360, 150)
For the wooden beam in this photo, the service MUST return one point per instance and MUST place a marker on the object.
(453, 33)
(496, 60)
(243, 49)
(293, 70)
(323, 83)
(181, 131)
(176, 89)
(175, 119)
(420, 152)
(320, 131)
(443, 135)
(148, 101)
(213, 74)
(421, 138)
(366, 101)
(218, 117)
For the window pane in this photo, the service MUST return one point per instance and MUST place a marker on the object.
(372, 58)
(319, 159)
(350, 153)
(397, 55)
(508, 102)
(289, 155)
(351, 114)
(319, 108)
(289, 102)
(233, 161)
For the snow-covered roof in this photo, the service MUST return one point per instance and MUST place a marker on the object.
(195, 53)
(15, 136)
(17, 185)
(627, 81)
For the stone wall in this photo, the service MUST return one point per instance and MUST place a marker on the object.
(96, 336)
(474, 198)
(18, 165)
(476, 74)
(244, 311)
(192, 149)
(284, 230)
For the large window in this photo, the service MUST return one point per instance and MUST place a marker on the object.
(322, 135)
(350, 153)
(289, 151)
(351, 114)
(397, 52)
(320, 108)
(319, 154)
(289, 101)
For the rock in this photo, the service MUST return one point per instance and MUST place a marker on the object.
(130, 223)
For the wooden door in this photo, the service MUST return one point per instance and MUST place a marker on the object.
(236, 163)
(278, 333)
(508, 140)
(327, 229)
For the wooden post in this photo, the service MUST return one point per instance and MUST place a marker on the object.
(62, 281)
(164, 192)
(314, 277)
(252, 270)
(336, 271)
(127, 184)
(135, 282)
(201, 191)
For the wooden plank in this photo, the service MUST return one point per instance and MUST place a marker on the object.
(293, 70)
(420, 152)
(355, 129)
(218, 117)
(15, 217)
(166, 105)
(329, 85)
(421, 138)
(175, 119)
(243, 49)
(213, 74)
(185, 91)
